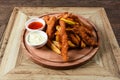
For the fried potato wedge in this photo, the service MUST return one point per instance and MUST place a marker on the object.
(54, 47)
(83, 45)
(68, 21)
(71, 44)
(78, 38)
(57, 44)
(74, 39)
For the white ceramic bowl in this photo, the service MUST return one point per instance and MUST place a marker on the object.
(40, 20)
(36, 39)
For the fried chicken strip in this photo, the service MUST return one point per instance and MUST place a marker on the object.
(50, 25)
(63, 15)
(46, 18)
(64, 40)
(89, 40)
(81, 21)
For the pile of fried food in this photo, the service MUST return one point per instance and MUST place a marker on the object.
(66, 31)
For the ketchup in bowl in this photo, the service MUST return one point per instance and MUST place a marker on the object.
(35, 24)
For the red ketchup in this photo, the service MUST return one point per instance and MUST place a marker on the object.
(35, 25)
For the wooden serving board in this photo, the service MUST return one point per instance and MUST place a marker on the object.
(15, 65)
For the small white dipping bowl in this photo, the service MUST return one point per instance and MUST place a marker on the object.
(36, 39)
(32, 20)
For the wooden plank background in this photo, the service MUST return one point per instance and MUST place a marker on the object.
(112, 8)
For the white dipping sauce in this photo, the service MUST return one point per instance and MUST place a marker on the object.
(36, 38)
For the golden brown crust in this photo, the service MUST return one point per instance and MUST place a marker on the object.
(50, 25)
(64, 40)
(67, 31)
(86, 35)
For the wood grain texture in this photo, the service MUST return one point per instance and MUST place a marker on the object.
(16, 65)
(7, 32)
(15, 38)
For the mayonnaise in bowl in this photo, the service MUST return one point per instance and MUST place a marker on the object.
(36, 39)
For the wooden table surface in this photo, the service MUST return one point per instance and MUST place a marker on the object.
(104, 65)
(112, 8)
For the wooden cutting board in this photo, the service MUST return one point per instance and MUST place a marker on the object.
(15, 65)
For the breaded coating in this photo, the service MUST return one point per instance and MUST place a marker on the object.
(46, 18)
(89, 40)
(67, 31)
(50, 25)
(81, 22)
(64, 40)
(64, 15)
